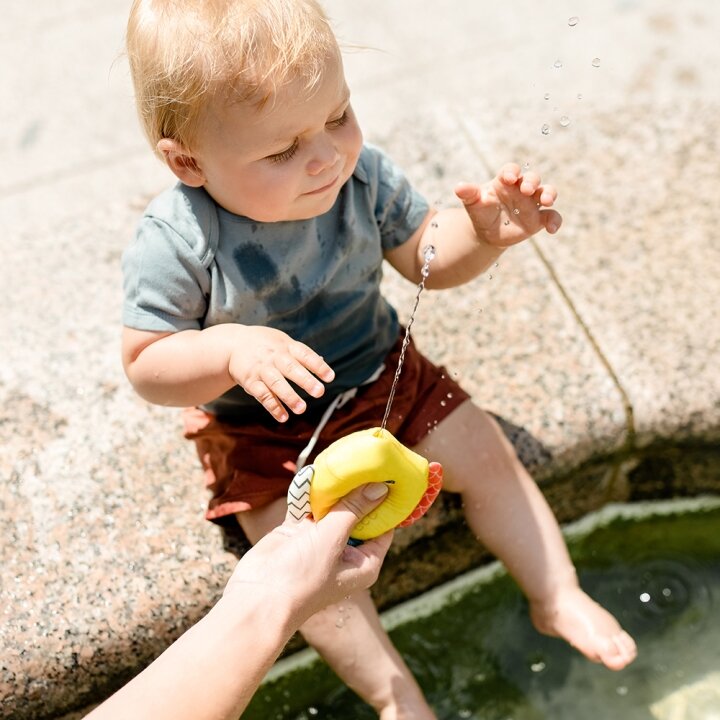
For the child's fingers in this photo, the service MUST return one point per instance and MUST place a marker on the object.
(272, 390)
(308, 358)
(260, 391)
(468, 193)
(510, 173)
(290, 368)
(545, 195)
(552, 220)
(530, 183)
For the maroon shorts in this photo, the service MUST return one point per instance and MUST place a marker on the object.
(250, 465)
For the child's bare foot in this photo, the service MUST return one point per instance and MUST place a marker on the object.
(587, 626)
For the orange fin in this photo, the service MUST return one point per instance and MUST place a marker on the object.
(435, 476)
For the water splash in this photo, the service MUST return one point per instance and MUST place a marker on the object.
(564, 121)
(596, 62)
(573, 21)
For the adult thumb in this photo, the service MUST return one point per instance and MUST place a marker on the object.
(346, 513)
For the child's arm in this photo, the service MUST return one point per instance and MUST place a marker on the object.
(502, 212)
(192, 367)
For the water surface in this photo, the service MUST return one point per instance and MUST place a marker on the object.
(476, 654)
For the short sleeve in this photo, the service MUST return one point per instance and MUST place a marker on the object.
(399, 208)
(165, 282)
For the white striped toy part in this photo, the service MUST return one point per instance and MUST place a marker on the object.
(372, 455)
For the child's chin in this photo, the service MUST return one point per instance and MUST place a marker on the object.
(318, 206)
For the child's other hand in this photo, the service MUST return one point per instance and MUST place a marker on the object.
(263, 362)
(511, 207)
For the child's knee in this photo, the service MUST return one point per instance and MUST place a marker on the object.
(259, 522)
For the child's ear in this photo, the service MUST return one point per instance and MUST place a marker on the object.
(181, 162)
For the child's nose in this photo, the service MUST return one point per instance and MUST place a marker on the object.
(324, 155)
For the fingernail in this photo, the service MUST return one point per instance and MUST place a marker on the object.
(374, 491)
(552, 227)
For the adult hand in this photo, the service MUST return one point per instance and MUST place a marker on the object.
(296, 570)
(309, 563)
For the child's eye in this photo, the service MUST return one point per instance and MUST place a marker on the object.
(285, 154)
(339, 122)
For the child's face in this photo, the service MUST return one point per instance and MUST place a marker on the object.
(286, 161)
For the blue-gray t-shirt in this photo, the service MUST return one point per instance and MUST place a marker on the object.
(193, 264)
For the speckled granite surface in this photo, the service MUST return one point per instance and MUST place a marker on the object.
(597, 344)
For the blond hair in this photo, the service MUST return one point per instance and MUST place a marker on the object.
(186, 53)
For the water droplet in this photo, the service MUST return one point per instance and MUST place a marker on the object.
(545, 129)
(312, 710)
(537, 666)
(579, 96)
(526, 166)
(564, 121)
(645, 597)
(506, 222)
(339, 623)
(489, 277)
(557, 64)
(516, 211)
(596, 62)
(667, 592)
(464, 713)
(546, 96)
(429, 252)
(449, 395)
(496, 265)
(573, 21)
(621, 690)
(433, 224)
(443, 403)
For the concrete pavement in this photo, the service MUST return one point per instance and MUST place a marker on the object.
(597, 347)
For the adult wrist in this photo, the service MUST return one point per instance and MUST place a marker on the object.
(263, 606)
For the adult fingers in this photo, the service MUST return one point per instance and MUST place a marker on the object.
(362, 564)
(344, 515)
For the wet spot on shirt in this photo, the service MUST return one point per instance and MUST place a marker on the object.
(346, 224)
(286, 297)
(257, 268)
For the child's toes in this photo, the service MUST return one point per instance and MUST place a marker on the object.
(621, 651)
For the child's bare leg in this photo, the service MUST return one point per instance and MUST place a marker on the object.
(509, 514)
(353, 642)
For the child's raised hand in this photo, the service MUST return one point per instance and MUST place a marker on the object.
(263, 362)
(511, 207)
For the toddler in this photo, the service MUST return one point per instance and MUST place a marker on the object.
(252, 297)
